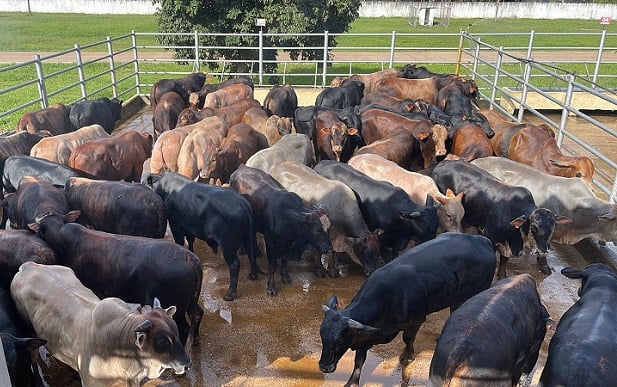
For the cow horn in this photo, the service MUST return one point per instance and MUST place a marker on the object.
(156, 303)
(145, 326)
(353, 324)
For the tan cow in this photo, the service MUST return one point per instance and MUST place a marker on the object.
(55, 119)
(273, 127)
(416, 185)
(192, 154)
(58, 148)
(106, 341)
(228, 95)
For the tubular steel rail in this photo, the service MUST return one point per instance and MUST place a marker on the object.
(130, 64)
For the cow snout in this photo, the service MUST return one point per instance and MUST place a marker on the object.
(180, 369)
(327, 369)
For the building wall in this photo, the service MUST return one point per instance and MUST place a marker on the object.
(542, 10)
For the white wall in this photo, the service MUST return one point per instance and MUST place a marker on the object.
(368, 8)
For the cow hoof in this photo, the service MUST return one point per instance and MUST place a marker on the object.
(286, 279)
(272, 292)
(252, 276)
(546, 270)
(229, 297)
(333, 273)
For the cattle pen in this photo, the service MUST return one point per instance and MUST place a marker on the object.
(273, 341)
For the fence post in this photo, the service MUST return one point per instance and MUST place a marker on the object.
(599, 58)
(41, 82)
(261, 56)
(196, 63)
(135, 62)
(497, 68)
(325, 59)
(565, 111)
(459, 57)
(392, 47)
(112, 67)
(526, 76)
(476, 58)
(80, 71)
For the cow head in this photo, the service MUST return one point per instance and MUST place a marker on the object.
(422, 221)
(440, 135)
(315, 226)
(451, 211)
(365, 250)
(17, 352)
(157, 336)
(338, 333)
(596, 275)
(576, 166)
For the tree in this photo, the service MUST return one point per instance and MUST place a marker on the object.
(232, 17)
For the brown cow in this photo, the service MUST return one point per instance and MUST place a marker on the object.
(534, 146)
(58, 148)
(376, 123)
(273, 127)
(397, 146)
(192, 154)
(165, 116)
(382, 98)
(417, 186)
(333, 139)
(228, 95)
(426, 89)
(469, 142)
(198, 98)
(55, 119)
(370, 80)
(232, 114)
(167, 147)
(119, 157)
(241, 142)
(504, 131)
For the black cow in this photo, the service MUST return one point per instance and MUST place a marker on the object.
(183, 86)
(347, 95)
(386, 207)
(435, 275)
(288, 226)
(117, 207)
(102, 111)
(17, 348)
(583, 350)
(17, 247)
(281, 101)
(506, 214)
(412, 71)
(18, 166)
(493, 338)
(35, 199)
(217, 215)
(134, 269)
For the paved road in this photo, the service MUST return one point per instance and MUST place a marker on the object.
(421, 56)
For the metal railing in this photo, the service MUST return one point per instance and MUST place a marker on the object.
(129, 65)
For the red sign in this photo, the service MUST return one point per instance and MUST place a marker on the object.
(605, 20)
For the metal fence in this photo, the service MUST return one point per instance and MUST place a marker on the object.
(502, 65)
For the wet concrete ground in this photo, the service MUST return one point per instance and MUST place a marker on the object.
(257, 340)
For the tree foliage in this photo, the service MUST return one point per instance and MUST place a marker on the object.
(223, 20)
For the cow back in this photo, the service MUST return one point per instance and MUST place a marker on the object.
(58, 148)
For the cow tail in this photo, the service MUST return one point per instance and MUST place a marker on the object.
(251, 242)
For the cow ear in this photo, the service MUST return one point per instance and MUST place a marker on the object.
(423, 135)
(430, 202)
(449, 193)
(518, 222)
(325, 130)
(35, 227)
(71, 216)
(141, 339)
(28, 344)
(560, 219)
(560, 164)
(171, 311)
(572, 273)
(333, 302)
(352, 131)
(358, 327)
(607, 216)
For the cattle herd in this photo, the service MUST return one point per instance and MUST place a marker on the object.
(400, 170)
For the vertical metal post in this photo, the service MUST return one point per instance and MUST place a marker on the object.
(565, 112)
(324, 71)
(460, 54)
(476, 59)
(599, 58)
(613, 197)
(261, 56)
(41, 82)
(112, 67)
(497, 68)
(196, 62)
(135, 62)
(526, 76)
(392, 46)
(80, 71)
